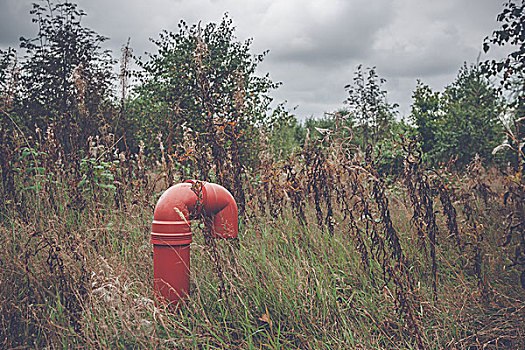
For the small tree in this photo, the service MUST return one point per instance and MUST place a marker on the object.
(511, 70)
(512, 32)
(65, 76)
(368, 106)
(200, 94)
(460, 122)
(470, 122)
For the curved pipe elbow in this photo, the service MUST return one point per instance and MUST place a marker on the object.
(171, 218)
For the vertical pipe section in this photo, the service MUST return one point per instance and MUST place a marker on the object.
(171, 232)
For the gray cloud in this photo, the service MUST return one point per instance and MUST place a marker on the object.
(315, 45)
(14, 22)
(324, 33)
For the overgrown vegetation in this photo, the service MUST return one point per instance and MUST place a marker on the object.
(357, 230)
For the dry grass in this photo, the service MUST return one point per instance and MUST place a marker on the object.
(330, 257)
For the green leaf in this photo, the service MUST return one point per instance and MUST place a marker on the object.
(83, 181)
(110, 187)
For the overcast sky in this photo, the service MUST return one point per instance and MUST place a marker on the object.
(315, 46)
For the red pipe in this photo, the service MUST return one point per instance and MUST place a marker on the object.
(171, 231)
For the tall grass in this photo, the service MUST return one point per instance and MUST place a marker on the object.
(330, 256)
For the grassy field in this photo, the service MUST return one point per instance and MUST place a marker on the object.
(330, 256)
(359, 229)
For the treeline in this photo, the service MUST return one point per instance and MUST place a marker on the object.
(198, 101)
